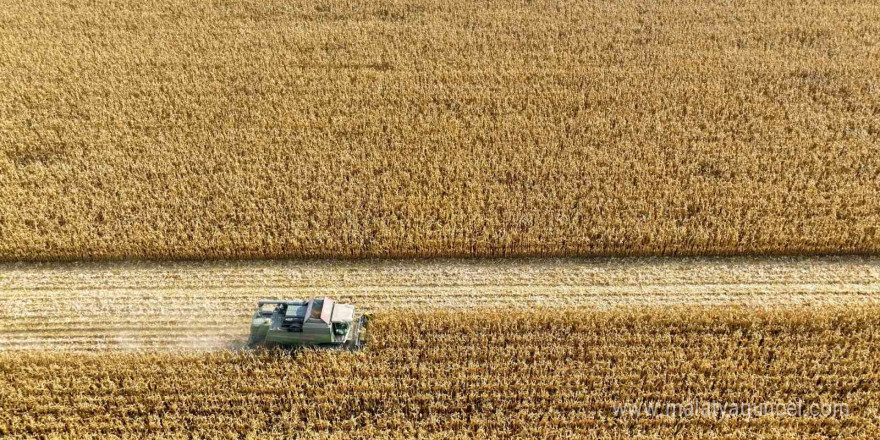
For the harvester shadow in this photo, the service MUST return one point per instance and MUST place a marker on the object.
(239, 345)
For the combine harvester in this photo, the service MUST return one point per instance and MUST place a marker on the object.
(318, 322)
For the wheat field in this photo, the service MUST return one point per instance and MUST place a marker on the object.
(269, 128)
(542, 373)
(169, 151)
(458, 348)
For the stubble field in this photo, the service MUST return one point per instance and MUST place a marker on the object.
(175, 305)
(180, 129)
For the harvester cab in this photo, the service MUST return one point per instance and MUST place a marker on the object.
(318, 322)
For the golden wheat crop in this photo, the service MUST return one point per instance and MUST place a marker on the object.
(172, 128)
(476, 374)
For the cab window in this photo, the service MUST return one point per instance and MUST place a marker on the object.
(340, 328)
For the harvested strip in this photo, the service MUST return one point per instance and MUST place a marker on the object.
(71, 306)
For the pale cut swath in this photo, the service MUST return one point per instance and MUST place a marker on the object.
(109, 306)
